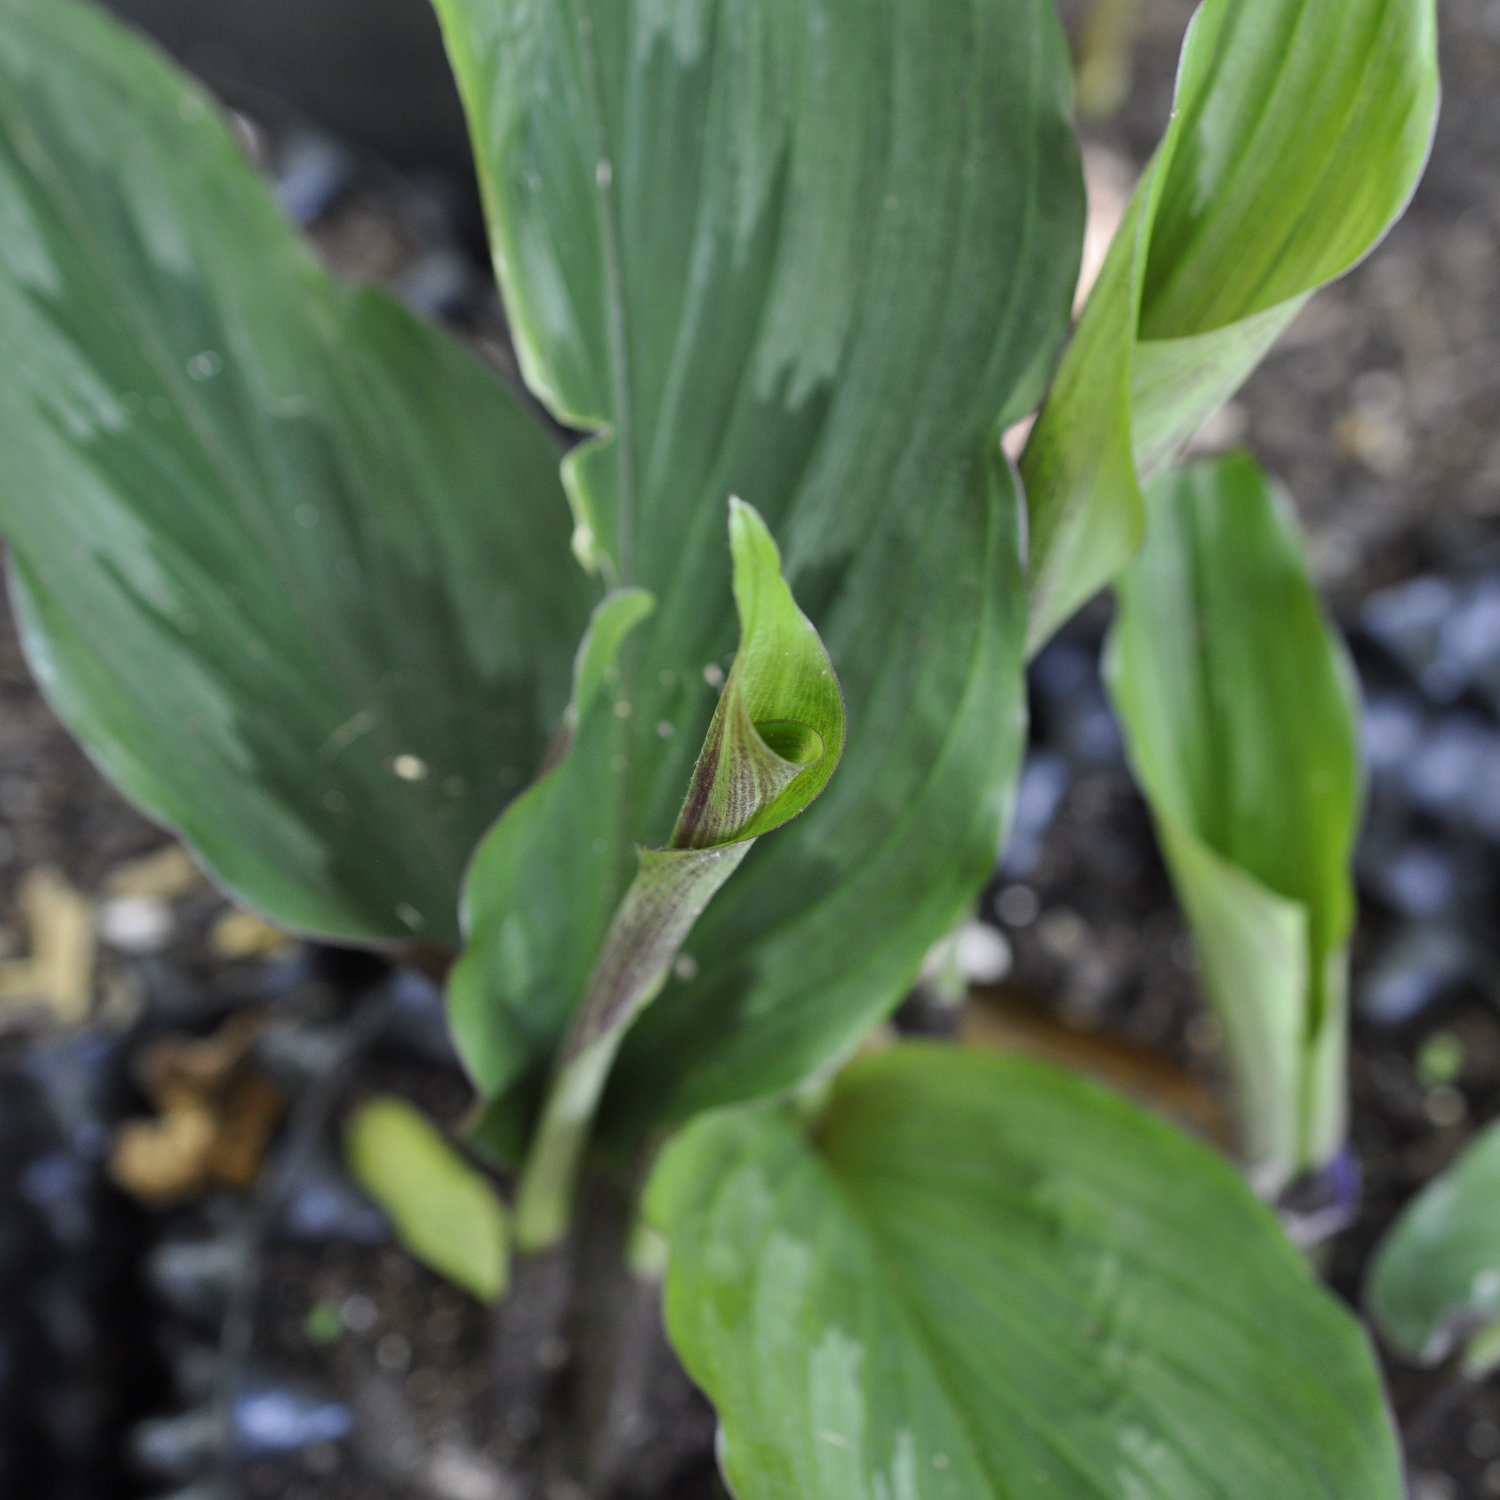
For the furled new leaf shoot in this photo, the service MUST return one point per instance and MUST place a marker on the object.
(1297, 136)
(1237, 703)
(774, 741)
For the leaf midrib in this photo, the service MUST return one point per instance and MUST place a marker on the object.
(909, 1318)
(622, 427)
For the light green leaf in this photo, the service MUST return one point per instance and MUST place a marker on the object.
(808, 258)
(1237, 702)
(778, 731)
(445, 1213)
(1297, 136)
(290, 563)
(1436, 1278)
(972, 1276)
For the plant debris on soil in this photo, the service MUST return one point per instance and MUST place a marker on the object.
(195, 1299)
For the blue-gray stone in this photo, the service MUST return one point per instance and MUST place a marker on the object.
(282, 1419)
(1415, 968)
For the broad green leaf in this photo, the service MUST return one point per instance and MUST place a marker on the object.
(801, 256)
(808, 258)
(1238, 707)
(446, 1213)
(291, 564)
(1436, 1279)
(774, 742)
(973, 1276)
(1297, 136)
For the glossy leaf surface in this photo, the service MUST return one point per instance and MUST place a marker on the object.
(973, 1276)
(291, 564)
(808, 259)
(446, 1213)
(1436, 1279)
(1298, 134)
(1237, 703)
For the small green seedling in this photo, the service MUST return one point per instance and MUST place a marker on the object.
(1434, 1287)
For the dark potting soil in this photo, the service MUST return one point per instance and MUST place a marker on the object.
(132, 1340)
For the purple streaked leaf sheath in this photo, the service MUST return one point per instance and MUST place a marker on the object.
(665, 899)
(774, 741)
(778, 731)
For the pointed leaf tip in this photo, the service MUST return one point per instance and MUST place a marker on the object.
(774, 741)
(1297, 137)
(1218, 629)
(778, 732)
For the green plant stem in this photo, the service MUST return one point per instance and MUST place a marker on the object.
(1325, 1078)
(665, 899)
(544, 1202)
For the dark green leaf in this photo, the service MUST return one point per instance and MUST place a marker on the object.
(805, 257)
(1298, 134)
(973, 1276)
(291, 564)
(1237, 702)
(832, 939)
(1436, 1279)
(808, 258)
(446, 1213)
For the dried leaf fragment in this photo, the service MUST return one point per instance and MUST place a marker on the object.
(59, 974)
(216, 1119)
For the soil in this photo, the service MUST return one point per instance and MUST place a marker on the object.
(344, 1368)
